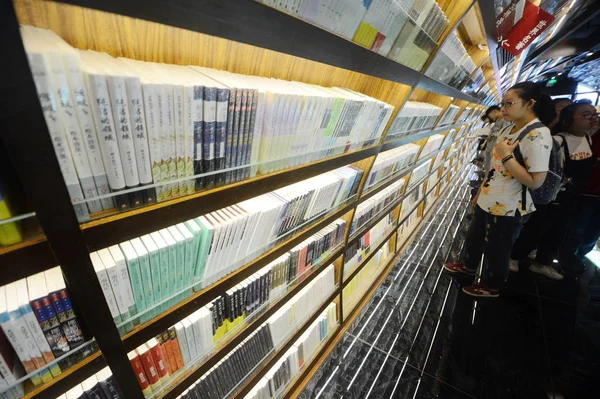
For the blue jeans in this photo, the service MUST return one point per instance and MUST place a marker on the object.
(582, 234)
(493, 237)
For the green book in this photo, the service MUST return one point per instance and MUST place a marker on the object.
(180, 244)
(191, 232)
(146, 278)
(135, 276)
(205, 241)
(155, 269)
(168, 259)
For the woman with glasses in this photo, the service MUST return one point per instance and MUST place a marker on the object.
(546, 229)
(499, 213)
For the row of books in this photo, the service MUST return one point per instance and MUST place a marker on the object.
(414, 116)
(418, 174)
(145, 276)
(99, 386)
(275, 381)
(468, 113)
(389, 162)
(433, 143)
(38, 326)
(367, 210)
(362, 247)
(450, 115)
(180, 343)
(452, 65)
(355, 288)
(123, 124)
(401, 30)
(195, 340)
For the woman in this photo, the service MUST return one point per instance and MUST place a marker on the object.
(583, 230)
(545, 230)
(499, 213)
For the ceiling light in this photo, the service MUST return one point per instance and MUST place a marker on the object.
(560, 73)
(588, 54)
(553, 77)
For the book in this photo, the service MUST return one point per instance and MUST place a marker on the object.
(10, 369)
(105, 283)
(106, 381)
(92, 388)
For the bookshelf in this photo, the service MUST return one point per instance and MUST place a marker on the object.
(193, 36)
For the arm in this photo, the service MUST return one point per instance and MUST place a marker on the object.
(529, 179)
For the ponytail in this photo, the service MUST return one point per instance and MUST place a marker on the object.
(543, 108)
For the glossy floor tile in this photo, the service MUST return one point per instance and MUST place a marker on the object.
(419, 336)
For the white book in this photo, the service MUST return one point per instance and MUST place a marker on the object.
(146, 274)
(48, 101)
(67, 111)
(164, 277)
(115, 282)
(127, 290)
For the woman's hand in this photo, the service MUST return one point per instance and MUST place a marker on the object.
(505, 148)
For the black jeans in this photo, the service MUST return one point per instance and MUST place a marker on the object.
(582, 234)
(493, 237)
(545, 230)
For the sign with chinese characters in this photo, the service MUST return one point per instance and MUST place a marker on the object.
(532, 23)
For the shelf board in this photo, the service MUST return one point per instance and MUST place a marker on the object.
(128, 225)
(421, 134)
(250, 22)
(235, 339)
(167, 319)
(68, 378)
(25, 259)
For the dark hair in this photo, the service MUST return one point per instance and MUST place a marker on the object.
(490, 109)
(567, 117)
(560, 100)
(485, 118)
(543, 107)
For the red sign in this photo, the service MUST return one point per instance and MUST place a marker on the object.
(533, 22)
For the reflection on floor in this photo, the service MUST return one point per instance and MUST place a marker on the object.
(421, 337)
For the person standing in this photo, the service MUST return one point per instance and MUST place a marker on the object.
(545, 231)
(499, 213)
(583, 230)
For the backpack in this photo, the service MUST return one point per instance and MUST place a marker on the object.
(553, 183)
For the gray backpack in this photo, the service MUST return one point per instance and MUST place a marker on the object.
(548, 191)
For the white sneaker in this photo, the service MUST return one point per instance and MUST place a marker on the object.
(514, 266)
(532, 254)
(547, 271)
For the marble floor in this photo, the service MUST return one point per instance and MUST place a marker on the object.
(421, 337)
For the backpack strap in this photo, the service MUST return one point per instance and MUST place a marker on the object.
(519, 157)
(565, 146)
(589, 140)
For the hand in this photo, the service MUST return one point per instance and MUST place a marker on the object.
(505, 148)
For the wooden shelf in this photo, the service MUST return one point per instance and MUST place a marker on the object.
(421, 134)
(250, 22)
(167, 319)
(193, 374)
(128, 225)
(68, 378)
(25, 259)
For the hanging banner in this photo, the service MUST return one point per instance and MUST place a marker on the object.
(531, 23)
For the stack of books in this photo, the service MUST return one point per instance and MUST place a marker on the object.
(406, 31)
(466, 114)
(418, 174)
(414, 116)
(452, 65)
(294, 360)
(166, 130)
(38, 325)
(369, 209)
(391, 162)
(150, 274)
(362, 247)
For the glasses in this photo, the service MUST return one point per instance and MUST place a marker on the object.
(588, 115)
(508, 104)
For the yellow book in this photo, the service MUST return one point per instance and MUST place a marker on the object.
(10, 233)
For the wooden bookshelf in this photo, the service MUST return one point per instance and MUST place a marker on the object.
(239, 36)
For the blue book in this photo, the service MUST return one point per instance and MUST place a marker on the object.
(220, 132)
(209, 126)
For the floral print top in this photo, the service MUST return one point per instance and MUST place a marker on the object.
(501, 192)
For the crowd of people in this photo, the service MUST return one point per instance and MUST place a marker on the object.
(538, 205)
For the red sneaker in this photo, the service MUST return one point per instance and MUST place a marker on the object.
(458, 268)
(481, 291)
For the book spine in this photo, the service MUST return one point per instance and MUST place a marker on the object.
(108, 295)
(140, 138)
(150, 369)
(63, 155)
(20, 348)
(221, 132)
(241, 130)
(140, 374)
(199, 135)
(50, 327)
(110, 388)
(180, 153)
(151, 113)
(170, 144)
(188, 131)
(137, 286)
(160, 361)
(230, 134)
(66, 316)
(25, 335)
(38, 336)
(177, 353)
(147, 287)
(209, 132)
